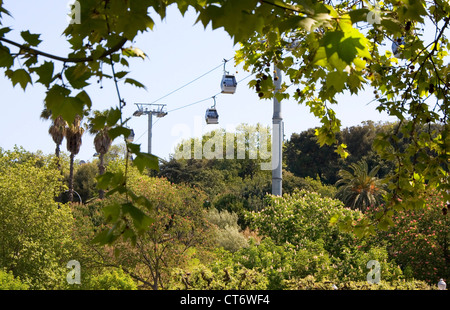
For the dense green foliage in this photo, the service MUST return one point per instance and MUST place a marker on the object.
(178, 229)
(324, 48)
(420, 240)
(286, 244)
(153, 232)
(33, 227)
(8, 282)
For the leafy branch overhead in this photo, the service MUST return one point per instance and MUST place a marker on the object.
(324, 48)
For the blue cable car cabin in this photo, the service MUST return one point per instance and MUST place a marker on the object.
(211, 116)
(395, 46)
(228, 84)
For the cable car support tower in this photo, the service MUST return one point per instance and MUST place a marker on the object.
(159, 110)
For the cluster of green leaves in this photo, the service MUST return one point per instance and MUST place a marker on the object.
(9, 282)
(104, 279)
(333, 49)
(303, 216)
(311, 283)
(176, 231)
(33, 227)
(419, 241)
(300, 246)
(216, 278)
(326, 49)
(181, 248)
(101, 38)
(228, 234)
(305, 158)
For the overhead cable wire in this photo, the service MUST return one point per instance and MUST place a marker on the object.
(202, 100)
(181, 87)
(194, 103)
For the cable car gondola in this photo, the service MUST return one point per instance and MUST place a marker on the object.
(228, 84)
(395, 46)
(211, 115)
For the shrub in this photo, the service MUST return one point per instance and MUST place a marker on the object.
(114, 279)
(35, 230)
(8, 282)
(222, 218)
(303, 216)
(179, 224)
(420, 239)
(353, 265)
(233, 277)
(311, 283)
(228, 233)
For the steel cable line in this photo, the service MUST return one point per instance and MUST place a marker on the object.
(181, 87)
(194, 103)
(202, 100)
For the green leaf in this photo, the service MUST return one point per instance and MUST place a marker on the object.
(145, 160)
(84, 97)
(109, 179)
(135, 83)
(119, 131)
(106, 237)
(392, 25)
(19, 76)
(337, 80)
(133, 52)
(120, 189)
(78, 75)
(31, 39)
(143, 201)
(121, 74)
(385, 222)
(6, 60)
(341, 150)
(97, 122)
(4, 30)
(340, 48)
(45, 73)
(112, 212)
(59, 102)
(141, 221)
(359, 231)
(134, 148)
(358, 15)
(140, 200)
(113, 116)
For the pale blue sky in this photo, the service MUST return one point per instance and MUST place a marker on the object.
(178, 52)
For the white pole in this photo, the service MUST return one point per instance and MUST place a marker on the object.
(150, 132)
(277, 138)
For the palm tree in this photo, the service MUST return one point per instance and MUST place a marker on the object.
(73, 134)
(360, 188)
(56, 130)
(102, 143)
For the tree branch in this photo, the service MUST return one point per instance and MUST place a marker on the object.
(286, 7)
(27, 48)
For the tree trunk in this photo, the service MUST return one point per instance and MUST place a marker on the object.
(58, 165)
(101, 170)
(57, 151)
(72, 156)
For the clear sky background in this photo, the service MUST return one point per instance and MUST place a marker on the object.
(178, 52)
